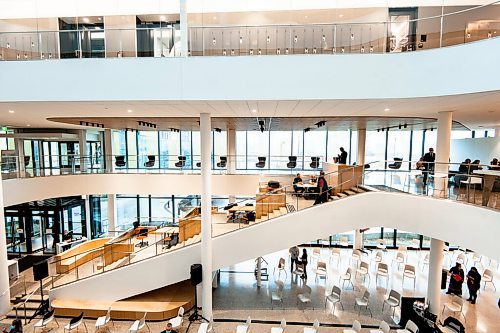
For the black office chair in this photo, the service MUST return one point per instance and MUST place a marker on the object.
(314, 162)
(26, 160)
(198, 164)
(181, 163)
(262, 162)
(292, 162)
(120, 161)
(223, 162)
(143, 234)
(150, 162)
(397, 163)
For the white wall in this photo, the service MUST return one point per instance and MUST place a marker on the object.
(483, 149)
(18, 191)
(354, 76)
(466, 225)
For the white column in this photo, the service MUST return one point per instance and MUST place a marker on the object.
(184, 28)
(206, 215)
(111, 214)
(88, 218)
(19, 143)
(442, 153)
(231, 151)
(358, 239)
(108, 150)
(82, 140)
(497, 132)
(434, 278)
(361, 146)
(4, 271)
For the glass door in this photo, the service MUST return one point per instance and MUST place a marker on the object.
(14, 234)
(95, 154)
(402, 29)
(36, 232)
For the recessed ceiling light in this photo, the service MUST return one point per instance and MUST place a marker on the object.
(99, 18)
(163, 18)
(86, 20)
(215, 17)
(11, 111)
(129, 111)
(341, 15)
(28, 125)
(254, 110)
(387, 109)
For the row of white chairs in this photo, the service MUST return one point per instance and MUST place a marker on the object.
(383, 327)
(245, 328)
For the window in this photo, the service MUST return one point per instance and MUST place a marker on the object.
(461, 135)
(416, 147)
(148, 146)
(259, 147)
(170, 148)
(126, 211)
(186, 147)
(314, 146)
(337, 139)
(220, 145)
(371, 236)
(404, 238)
(430, 140)
(132, 148)
(375, 149)
(281, 148)
(161, 208)
(195, 139)
(298, 147)
(398, 146)
(241, 149)
(119, 143)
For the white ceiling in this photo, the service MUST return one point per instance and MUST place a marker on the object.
(472, 110)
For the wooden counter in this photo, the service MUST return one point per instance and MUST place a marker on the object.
(343, 176)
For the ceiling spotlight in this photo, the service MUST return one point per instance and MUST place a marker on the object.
(342, 50)
(378, 129)
(341, 15)
(129, 111)
(259, 52)
(218, 130)
(371, 49)
(399, 126)
(295, 39)
(268, 39)
(12, 111)
(251, 51)
(382, 129)
(254, 110)
(232, 51)
(214, 41)
(320, 123)
(405, 125)
(307, 129)
(352, 36)
(286, 50)
(224, 52)
(241, 40)
(278, 51)
(262, 122)
(323, 38)
(28, 125)
(8, 45)
(362, 49)
(32, 44)
(432, 129)
(387, 109)
(468, 35)
(86, 20)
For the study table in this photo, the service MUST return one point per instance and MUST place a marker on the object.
(489, 177)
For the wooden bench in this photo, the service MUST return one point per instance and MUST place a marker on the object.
(79, 255)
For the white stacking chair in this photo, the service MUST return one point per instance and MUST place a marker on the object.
(314, 328)
(347, 277)
(356, 327)
(477, 259)
(393, 300)
(139, 324)
(356, 256)
(277, 295)
(409, 273)
(425, 262)
(74, 323)
(299, 270)
(381, 244)
(410, 327)
(280, 329)
(400, 259)
(47, 319)
(245, 327)
(344, 241)
(461, 258)
(206, 327)
(383, 271)
(488, 277)
(334, 298)
(316, 254)
(379, 256)
(335, 255)
(281, 267)
(363, 270)
(456, 305)
(103, 320)
(384, 327)
(321, 271)
(305, 296)
(177, 321)
(364, 301)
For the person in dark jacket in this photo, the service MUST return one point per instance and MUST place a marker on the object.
(342, 158)
(303, 261)
(473, 283)
(321, 189)
(429, 159)
(456, 280)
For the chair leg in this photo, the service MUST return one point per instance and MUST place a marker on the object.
(85, 325)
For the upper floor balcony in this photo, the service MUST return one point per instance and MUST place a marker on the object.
(162, 36)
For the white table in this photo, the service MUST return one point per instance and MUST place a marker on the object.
(61, 245)
(489, 177)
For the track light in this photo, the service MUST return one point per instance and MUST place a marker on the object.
(382, 129)
(362, 49)
(432, 129)
(320, 123)
(174, 130)
(399, 126)
(268, 39)
(405, 125)
(218, 130)
(262, 122)
(295, 39)
(307, 129)
(214, 41)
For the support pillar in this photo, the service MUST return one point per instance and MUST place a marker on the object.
(108, 150)
(111, 214)
(184, 28)
(88, 218)
(84, 154)
(361, 146)
(4, 271)
(434, 278)
(442, 154)
(259, 268)
(358, 239)
(206, 215)
(231, 151)
(497, 132)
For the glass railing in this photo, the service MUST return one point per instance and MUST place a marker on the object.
(123, 250)
(477, 184)
(13, 167)
(447, 29)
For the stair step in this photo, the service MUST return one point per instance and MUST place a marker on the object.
(258, 220)
(357, 189)
(350, 192)
(283, 210)
(334, 197)
(341, 195)
(20, 313)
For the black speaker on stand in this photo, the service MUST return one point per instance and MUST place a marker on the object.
(196, 278)
(40, 272)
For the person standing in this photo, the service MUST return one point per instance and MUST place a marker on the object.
(342, 158)
(429, 159)
(456, 280)
(294, 257)
(321, 189)
(473, 283)
(303, 261)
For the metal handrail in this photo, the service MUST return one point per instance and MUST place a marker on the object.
(16, 307)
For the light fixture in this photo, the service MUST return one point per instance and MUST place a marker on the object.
(241, 40)
(342, 50)
(320, 123)
(399, 126)
(334, 50)
(32, 44)
(489, 34)
(468, 35)
(295, 39)
(259, 52)
(352, 36)
(405, 125)
(314, 50)
(28, 125)
(323, 38)
(432, 129)
(50, 55)
(307, 129)
(254, 110)
(362, 49)
(100, 18)
(387, 109)
(268, 39)
(341, 15)
(42, 56)
(8, 45)
(215, 17)
(232, 51)
(278, 51)
(25, 56)
(382, 129)
(214, 41)
(371, 49)
(12, 111)
(306, 50)
(251, 51)
(224, 52)
(286, 50)
(218, 130)
(130, 111)
(18, 56)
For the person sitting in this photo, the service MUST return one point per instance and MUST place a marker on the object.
(250, 216)
(494, 164)
(169, 329)
(298, 180)
(464, 166)
(475, 166)
(420, 164)
(15, 327)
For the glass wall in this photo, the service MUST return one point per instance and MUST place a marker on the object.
(398, 146)
(375, 149)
